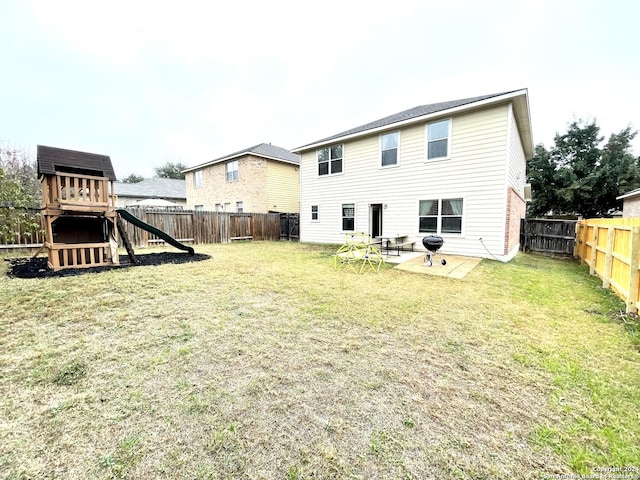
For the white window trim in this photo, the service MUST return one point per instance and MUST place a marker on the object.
(197, 179)
(426, 140)
(227, 171)
(318, 213)
(355, 217)
(397, 164)
(329, 174)
(463, 220)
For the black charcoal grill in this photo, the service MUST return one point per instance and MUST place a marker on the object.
(432, 243)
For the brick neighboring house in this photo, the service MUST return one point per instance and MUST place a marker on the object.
(169, 189)
(259, 179)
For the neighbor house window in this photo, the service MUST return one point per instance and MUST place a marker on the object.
(232, 171)
(239, 207)
(219, 207)
(348, 217)
(199, 208)
(389, 148)
(197, 179)
(330, 160)
(438, 139)
(227, 207)
(314, 213)
(440, 216)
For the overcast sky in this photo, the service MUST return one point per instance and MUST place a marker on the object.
(147, 82)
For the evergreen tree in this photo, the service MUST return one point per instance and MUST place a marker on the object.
(619, 170)
(576, 155)
(577, 176)
(544, 179)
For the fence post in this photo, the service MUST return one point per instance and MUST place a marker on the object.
(634, 273)
(608, 261)
(594, 250)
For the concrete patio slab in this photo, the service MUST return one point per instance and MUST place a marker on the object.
(456, 266)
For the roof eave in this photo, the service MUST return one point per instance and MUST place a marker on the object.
(237, 155)
(523, 119)
(155, 195)
(422, 118)
(633, 193)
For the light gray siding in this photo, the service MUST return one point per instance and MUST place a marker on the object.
(631, 207)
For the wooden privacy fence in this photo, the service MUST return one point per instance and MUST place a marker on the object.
(611, 250)
(184, 226)
(556, 237)
(204, 227)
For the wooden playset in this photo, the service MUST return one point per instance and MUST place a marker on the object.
(81, 222)
(78, 208)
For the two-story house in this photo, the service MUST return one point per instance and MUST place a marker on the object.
(259, 179)
(454, 169)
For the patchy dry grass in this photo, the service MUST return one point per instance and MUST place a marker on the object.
(264, 363)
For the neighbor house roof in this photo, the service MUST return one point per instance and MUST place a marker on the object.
(264, 150)
(52, 160)
(424, 112)
(152, 188)
(632, 193)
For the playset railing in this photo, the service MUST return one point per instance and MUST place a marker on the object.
(80, 255)
(74, 191)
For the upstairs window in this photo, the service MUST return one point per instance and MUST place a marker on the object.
(438, 139)
(330, 160)
(197, 179)
(440, 216)
(389, 148)
(232, 171)
(348, 217)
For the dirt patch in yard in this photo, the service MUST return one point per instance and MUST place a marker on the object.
(37, 267)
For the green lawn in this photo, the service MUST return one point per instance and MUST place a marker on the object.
(262, 362)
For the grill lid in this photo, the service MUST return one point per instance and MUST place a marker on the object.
(432, 242)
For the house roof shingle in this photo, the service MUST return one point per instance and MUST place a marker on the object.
(52, 159)
(265, 150)
(153, 188)
(404, 116)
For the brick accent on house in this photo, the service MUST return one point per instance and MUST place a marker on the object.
(516, 210)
